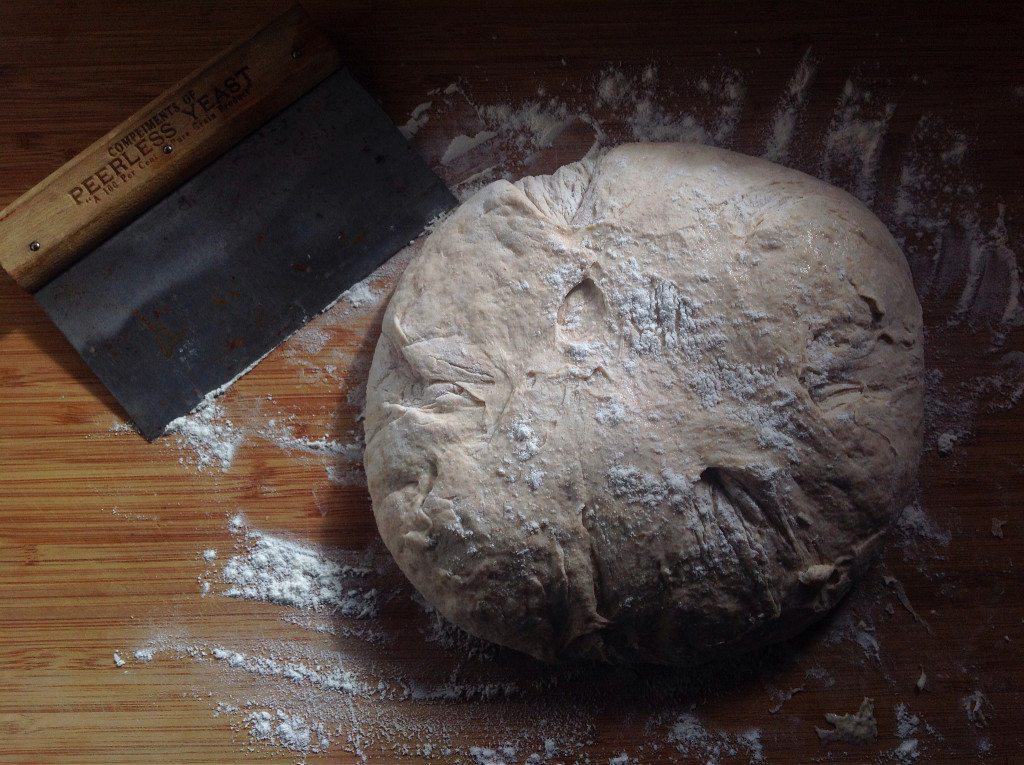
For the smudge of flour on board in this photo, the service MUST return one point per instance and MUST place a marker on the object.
(790, 107)
(277, 570)
(692, 739)
(854, 140)
(975, 705)
(968, 278)
(504, 139)
(859, 727)
(911, 731)
(206, 437)
(462, 144)
(285, 439)
(341, 460)
(417, 118)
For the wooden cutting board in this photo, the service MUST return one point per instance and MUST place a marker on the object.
(101, 534)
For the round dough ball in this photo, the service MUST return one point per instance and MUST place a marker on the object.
(658, 406)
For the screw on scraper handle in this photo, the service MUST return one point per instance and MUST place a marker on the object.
(158, 148)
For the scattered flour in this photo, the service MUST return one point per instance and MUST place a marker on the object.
(907, 725)
(854, 140)
(777, 146)
(974, 705)
(486, 756)
(750, 740)
(611, 414)
(533, 125)
(945, 442)
(525, 443)
(332, 678)
(916, 527)
(285, 439)
(278, 570)
(691, 738)
(861, 634)
(907, 751)
(361, 295)
(207, 435)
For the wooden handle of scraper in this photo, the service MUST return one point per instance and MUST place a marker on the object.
(159, 147)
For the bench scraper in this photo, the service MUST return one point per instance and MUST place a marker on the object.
(184, 245)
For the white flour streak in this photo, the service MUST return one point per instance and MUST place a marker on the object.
(331, 678)
(277, 570)
(208, 436)
(342, 462)
(854, 141)
(613, 87)
(907, 729)
(915, 526)
(992, 288)
(462, 144)
(364, 695)
(651, 122)
(339, 476)
(788, 112)
(729, 93)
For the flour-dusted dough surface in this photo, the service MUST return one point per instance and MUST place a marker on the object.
(658, 406)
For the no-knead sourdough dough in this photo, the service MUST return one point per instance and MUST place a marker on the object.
(658, 406)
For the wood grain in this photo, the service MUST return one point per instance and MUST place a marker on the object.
(101, 534)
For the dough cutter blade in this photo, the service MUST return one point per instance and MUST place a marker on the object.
(202, 285)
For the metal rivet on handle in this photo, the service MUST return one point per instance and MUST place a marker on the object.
(297, 53)
(168, 148)
(34, 246)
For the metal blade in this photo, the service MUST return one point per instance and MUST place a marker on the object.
(217, 274)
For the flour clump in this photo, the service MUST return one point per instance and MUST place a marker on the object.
(685, 439)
